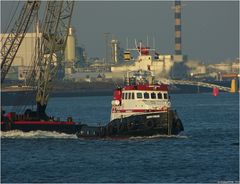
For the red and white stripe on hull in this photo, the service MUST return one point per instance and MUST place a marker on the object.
(117, 114)
(146, 87)
(43, 123)
(138, 110)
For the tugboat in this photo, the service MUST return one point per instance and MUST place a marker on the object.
(140, 108)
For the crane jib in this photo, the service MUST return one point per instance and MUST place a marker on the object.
(15, 37)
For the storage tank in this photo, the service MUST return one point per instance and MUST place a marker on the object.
(70, 46)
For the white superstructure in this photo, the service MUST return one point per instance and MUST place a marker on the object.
(139, 98)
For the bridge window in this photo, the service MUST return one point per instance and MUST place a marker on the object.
(165, 95)
(159, 95)
(139, 95)
(153, 95)
(146, 95)
(129, 95)
(123, 96)
(133, 96)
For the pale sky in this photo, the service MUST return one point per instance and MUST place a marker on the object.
(210, 29)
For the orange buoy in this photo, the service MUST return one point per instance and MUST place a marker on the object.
(233, 86)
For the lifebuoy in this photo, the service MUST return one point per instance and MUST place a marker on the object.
(130, 125)
(149, 124)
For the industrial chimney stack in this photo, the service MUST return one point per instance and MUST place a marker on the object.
(179, 69)
(178, 39)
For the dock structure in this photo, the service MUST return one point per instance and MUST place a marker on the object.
(195, 83)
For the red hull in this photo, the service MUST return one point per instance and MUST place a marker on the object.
(26, 126)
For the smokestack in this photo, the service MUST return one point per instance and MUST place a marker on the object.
(178, 39)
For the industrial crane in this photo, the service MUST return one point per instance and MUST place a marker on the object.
(51, 45)
(54, 35)
(15, 37)
(49, 54)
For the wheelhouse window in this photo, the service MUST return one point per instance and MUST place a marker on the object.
(153, 95)
(165, 95)
(139, 95)
(146, 95)
(126, 95)
(123, 96)
(159, 95)
(133, 96)
(129, 95)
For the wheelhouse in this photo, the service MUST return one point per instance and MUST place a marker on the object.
(144, 95)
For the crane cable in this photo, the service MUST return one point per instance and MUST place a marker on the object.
(30, 80)
(10, 22)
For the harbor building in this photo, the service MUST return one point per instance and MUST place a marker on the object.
(23, 60)
(221, 67)
(196, 68)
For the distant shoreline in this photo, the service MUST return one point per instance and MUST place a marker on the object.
(13, 97)
(83, 92)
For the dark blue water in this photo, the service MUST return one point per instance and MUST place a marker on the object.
(207, 151)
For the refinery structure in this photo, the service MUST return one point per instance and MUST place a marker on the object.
(76, 66)
(116, 63)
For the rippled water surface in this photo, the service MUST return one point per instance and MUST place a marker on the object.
(208, 150)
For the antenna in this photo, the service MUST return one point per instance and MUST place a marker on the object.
(140, 48)
(147, 40)
(154, 42)
(136, 45)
